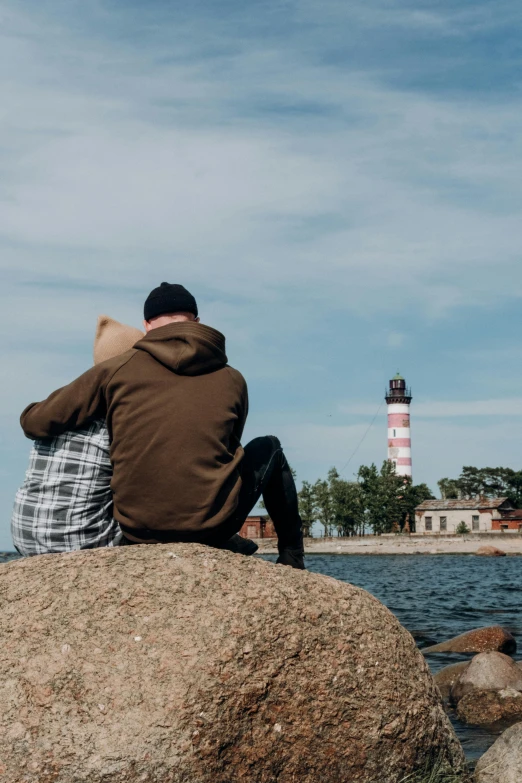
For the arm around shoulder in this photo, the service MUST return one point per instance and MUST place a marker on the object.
(70, 407)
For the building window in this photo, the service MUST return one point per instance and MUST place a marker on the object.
(428, 523)
(394, 433)
(475, 522)
(443, 523)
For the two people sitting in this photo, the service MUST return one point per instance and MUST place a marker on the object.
(145, 447)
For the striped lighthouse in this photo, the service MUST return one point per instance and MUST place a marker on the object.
(398, 397)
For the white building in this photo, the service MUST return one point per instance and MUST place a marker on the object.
(480, 515)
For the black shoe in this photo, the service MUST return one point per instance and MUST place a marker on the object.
(292, 557)
(240, 545)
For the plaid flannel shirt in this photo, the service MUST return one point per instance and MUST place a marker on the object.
(65, 502)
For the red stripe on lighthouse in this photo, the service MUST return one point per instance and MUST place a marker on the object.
(397, 442)
(398, 420)
(404, 461)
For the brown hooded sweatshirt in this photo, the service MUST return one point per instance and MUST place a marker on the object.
(176, 412)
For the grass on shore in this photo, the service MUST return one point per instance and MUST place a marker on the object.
(436, 772)
(435, 777)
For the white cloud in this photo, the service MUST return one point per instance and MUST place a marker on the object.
(130, 158)
(439, 409)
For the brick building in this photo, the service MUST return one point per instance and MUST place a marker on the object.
(258, 527)
(510, 520)
(480, 515)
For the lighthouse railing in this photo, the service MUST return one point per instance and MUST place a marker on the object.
(405, 392)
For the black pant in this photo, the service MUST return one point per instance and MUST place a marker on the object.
(264, 472)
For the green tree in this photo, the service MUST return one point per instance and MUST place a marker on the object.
(487, 482)
(354, 501)
(514, 484)
(412, 495)
(462, 529)
(370, 483)
(498, 482)
(471, 482)
(307, 507)
(323, 505)
(392, 490)
(448, 488)
(389, 500)
(347, 508)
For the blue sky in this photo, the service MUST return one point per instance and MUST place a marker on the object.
(338, 183)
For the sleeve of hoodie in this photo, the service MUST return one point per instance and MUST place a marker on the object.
(70, 407)
(242, 409)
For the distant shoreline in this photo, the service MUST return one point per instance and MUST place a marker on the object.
(511, 544)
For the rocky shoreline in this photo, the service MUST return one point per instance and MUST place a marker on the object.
(487, 691)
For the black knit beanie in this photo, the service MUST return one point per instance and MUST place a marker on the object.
(169, 298)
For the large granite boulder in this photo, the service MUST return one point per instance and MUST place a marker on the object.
(489, 671)
(502, 763)
(493, 637)
(184, 664)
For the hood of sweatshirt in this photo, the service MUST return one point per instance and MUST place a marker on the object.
(186, 348)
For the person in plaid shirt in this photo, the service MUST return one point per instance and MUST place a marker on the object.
(65, 502)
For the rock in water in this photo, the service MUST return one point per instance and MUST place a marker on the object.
(181, 663)
(447, 677)
(491, 708)
(503, 761)
(490, 551)
(489, 671)
(481, 640)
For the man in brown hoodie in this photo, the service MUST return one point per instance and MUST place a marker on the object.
(176, 412)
